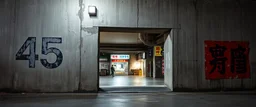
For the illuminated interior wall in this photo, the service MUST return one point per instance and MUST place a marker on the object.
(136, 64)
(132, 61)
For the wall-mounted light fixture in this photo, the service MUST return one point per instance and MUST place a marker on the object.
(92, 10)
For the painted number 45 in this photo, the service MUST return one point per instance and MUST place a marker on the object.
(32, 56)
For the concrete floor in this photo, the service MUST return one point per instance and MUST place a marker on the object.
(130, 81)
(130, 100)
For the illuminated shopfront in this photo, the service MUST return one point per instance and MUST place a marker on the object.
(120, 63)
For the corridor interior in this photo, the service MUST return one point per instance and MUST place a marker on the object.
(132, 81)
(131, 52)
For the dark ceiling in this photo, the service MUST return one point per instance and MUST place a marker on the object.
(126, 40)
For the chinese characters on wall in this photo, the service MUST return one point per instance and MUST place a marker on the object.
(225, 60)
(158, 50)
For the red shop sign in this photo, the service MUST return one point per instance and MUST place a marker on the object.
(119, 60)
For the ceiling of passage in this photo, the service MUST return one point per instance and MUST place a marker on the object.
(119, 38)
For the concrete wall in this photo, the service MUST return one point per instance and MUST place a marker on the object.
(168, 61)
(132, 13)
(221, 20)
(193, 21)
(149, 68)
(89, 59)
(46, 18)
(31, 18)
(144, 67)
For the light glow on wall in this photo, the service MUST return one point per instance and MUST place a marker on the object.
(137, 65)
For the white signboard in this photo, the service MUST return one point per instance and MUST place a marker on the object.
(120, 56)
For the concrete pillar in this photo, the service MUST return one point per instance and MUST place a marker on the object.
(168, 61)
(89, 60)
(157, 66)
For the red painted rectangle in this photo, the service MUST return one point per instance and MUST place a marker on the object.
(227, 59)
(119, 60)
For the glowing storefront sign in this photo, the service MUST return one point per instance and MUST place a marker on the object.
(158, 51)
(120, 56)
(119, 60)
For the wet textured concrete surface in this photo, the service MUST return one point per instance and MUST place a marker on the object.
(130, 100)
(130, 81)
(142, 89)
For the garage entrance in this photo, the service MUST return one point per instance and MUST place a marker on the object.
(137, 56)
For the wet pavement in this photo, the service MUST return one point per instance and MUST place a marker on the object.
(130, 81)
(142, 89)
(130, 100)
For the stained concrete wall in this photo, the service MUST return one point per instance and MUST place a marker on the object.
(89, 59)
(47, 18)
(132, 13)
(32, 18)
(220, 20)
(193, 21)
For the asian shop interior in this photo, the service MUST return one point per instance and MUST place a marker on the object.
(138, 58)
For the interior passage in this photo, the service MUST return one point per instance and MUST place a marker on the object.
(130, 81)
